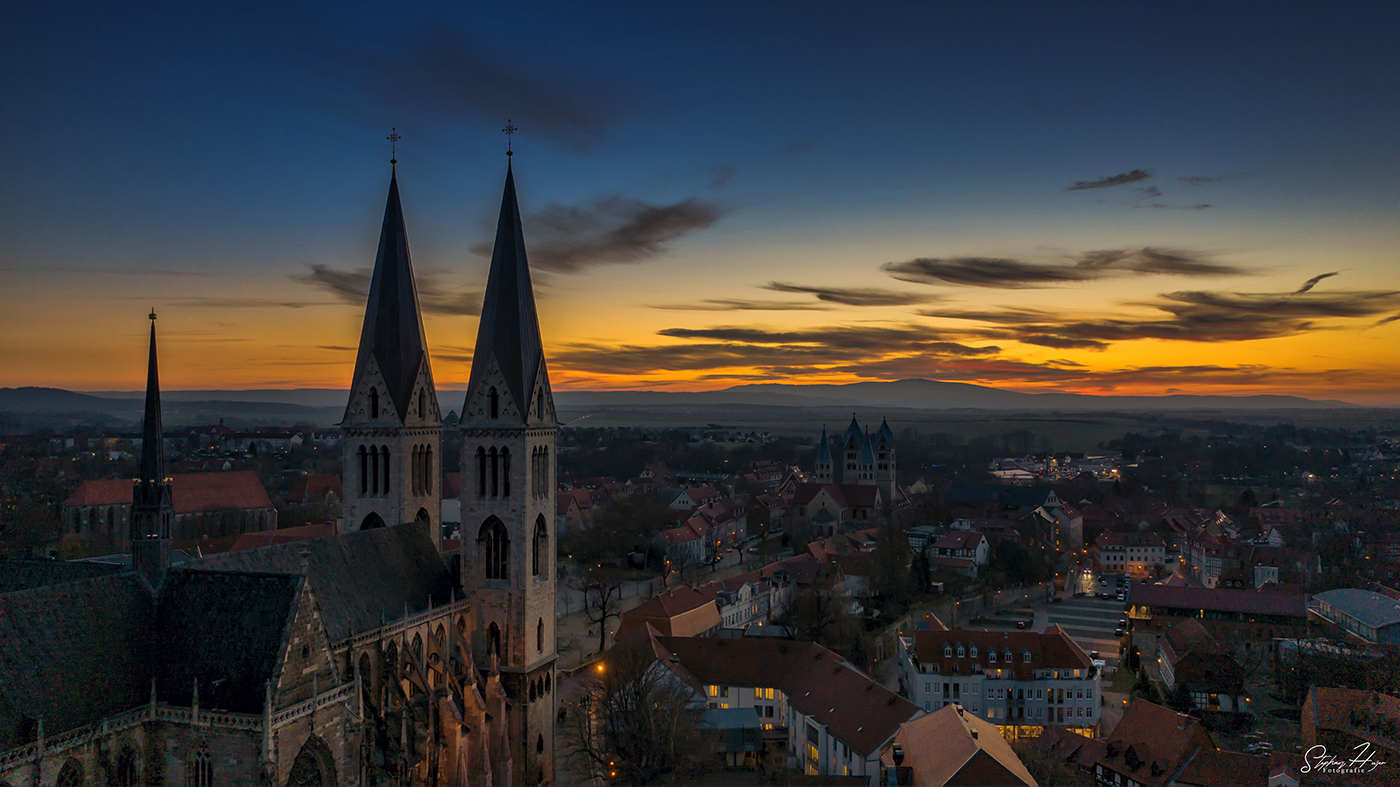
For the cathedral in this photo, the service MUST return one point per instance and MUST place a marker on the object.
(864, 460)
(363, 658)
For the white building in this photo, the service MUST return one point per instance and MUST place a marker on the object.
(1139, 554)
(1020, 681)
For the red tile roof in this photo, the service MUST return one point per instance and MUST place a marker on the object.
(1220, 600)
(266, 538)
(950, 746)
(1151, 744)
(189, 492)
(819, 683)
(451, 486)
(315, 486)
(1052, 650)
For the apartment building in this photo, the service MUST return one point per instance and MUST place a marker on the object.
(1021, 681)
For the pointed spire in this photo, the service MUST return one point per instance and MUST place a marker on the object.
(152, 433)
(510, 328)
(867, 454)
(393, 330)
(824, 449)
(885, 435)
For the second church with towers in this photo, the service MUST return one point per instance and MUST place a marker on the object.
(391, 445)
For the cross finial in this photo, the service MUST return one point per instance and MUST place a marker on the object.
(509, 130)
(393, 145)
(153, 313)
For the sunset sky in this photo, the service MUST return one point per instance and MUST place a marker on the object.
(1040, 197)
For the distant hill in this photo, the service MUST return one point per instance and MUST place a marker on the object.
(936, 395)
(30, 408)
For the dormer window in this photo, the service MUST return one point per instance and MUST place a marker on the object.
(961, 652)
(974, 651)
(1026, 655)
(992, 656)
(947, 651)
(1007, 656)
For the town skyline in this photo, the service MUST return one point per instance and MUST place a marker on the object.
(1090, 202)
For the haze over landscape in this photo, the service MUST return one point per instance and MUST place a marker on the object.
(1025, 198)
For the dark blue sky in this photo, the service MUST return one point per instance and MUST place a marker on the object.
(209, 140)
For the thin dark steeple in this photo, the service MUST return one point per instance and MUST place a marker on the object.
(393, 330)
(510, 328)
(152, 443)
(152, 506)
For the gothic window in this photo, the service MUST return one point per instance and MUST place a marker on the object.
(539, 637)
(428, 471)
(495, 402)
(413, 469)
(481, 472)
(422, 403)
(422, 516)
(539, 547)
(384, 450)
(199, 768)
(373, 402)
(373, 470)
(505, 472)
(539, 408)
(539, 745)
(493, 640)
(364, 471)
(495, 472)
(128, 767)
(493, 545)
(71, 775)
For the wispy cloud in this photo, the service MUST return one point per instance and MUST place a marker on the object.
(352, 288)
(853, 296)
(440, 73)
(1192, 316)
(610, 230)
(723, 173)
(739, 304)
(1122, 179)
(1201, 180)
(1310, 283)
(1003, 273)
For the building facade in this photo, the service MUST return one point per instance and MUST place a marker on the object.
(1021, 681)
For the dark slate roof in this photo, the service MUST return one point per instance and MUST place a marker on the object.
(509, 325)
(824, 449)
(152, 442)
(1372, 609)
(851, 439)
(867, 455)
(359, 578)
(885, 435)
(74, 653)
(224, 627)
(26, 574)
(393, 330)
(1221, 600)
(1011, 496)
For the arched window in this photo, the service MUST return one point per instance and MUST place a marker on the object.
(413, 469)
(495, 472)
(539, 546)
(373, 402)
(539, 406)
(480, 472)
(422, 403)
(373, 470)
(199, 766)
(71, 775)
(493, 545)
(992, 656)
(495, 402)
(422, 516)
(364, 471)
(493, 640)
(539, 638)
(505, 472)
(428, 471)
(128, 766)
(384, 450)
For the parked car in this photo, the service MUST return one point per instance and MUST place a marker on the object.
(1020, 624)
(1118, 632)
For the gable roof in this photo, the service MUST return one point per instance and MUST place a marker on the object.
(393, 328)
(950, 746)
(1220, 600)
(1054, 649)
(509, 328)
(818, 683)
(190, 493)
(1152, 744)
(682, 612)
(226, 630)
(74, 653)
(361, 578)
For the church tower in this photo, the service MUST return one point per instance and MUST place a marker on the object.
(151, 506)
(823, 469)
(884, 461)
(391, 436)
(508, 432)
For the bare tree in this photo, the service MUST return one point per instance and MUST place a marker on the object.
(602, 598)
(634, 721)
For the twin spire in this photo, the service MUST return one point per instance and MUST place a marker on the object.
(152, 432)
